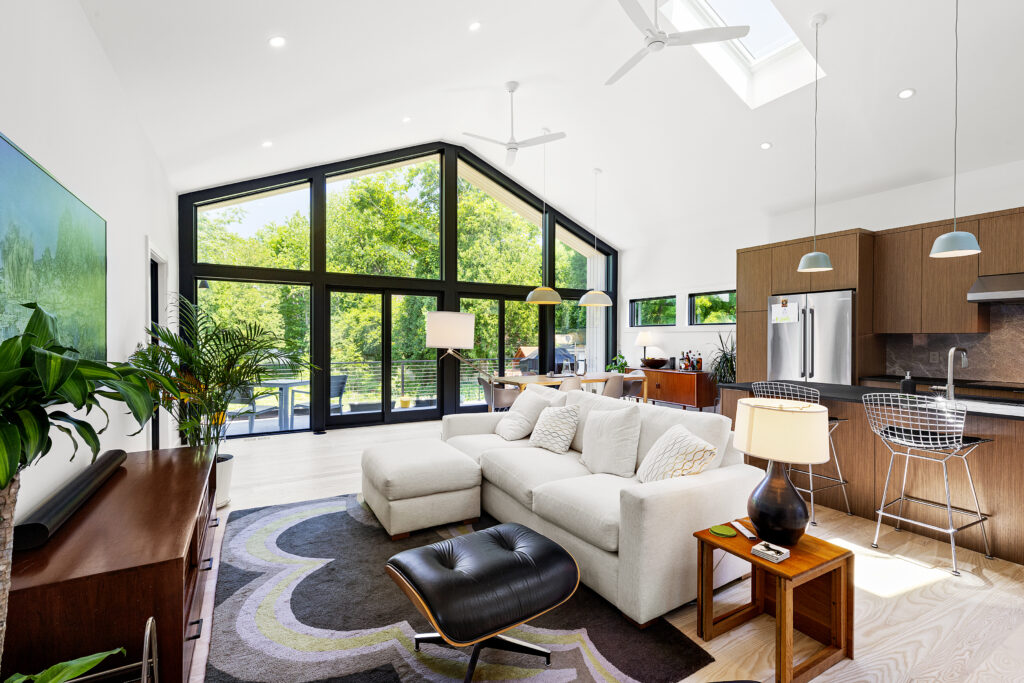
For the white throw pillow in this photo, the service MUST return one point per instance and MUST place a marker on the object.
(610, 438)
(676, 453)
(554, 397)
(555, 428)
(521, 417)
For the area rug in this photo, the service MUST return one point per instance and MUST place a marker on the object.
(302, 596)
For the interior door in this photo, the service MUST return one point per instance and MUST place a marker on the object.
(787, 324)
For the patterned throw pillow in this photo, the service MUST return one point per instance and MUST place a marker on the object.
(676, 453)
(555, 428)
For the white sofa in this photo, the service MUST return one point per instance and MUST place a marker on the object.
(634, 542)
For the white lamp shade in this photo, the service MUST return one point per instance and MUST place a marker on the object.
(782, 430)
(644, 339)
(955, 244)
(595, 297)
(450, 330)
(543, 295)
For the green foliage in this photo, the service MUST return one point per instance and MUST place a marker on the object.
(65, 671)
(723, 360)
(209, 362)
(38, 373)
(711, 309)
(496, 243)
(617, 364)
(661, 311)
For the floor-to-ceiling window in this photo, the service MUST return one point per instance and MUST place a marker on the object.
(344, 262)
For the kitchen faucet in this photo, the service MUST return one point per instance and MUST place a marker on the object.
(949, 370)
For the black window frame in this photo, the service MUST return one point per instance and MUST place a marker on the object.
(632, 311)
(321, 281)
(691, 309)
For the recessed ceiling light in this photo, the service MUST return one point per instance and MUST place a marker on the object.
(906, 93)
(406, 119)
(267, 144)
(766, 145)
(475, 26)
(277, 41)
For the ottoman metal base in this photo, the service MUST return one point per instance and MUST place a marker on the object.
(494, 642)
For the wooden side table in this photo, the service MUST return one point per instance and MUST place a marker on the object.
(811, 590)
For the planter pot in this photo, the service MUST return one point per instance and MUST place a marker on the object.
(405, 402)
(363, 407)
(225, 463)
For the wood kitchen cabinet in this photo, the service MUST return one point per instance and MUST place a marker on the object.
(944, 285)
(844, 252)
(786, 279)
(751, 346)
(897, 282)
(1002, 244)
(753, 279)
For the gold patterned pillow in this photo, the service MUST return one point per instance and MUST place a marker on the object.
(676, 453)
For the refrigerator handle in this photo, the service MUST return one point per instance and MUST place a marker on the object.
(803, 342)
(810, 372)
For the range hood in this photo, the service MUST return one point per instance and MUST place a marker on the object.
(990, 289)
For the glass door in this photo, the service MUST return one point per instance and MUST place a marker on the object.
(412, 366)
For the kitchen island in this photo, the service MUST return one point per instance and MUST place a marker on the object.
(997, 467)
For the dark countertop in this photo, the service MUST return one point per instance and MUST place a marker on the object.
(965, 383)
(976, 405)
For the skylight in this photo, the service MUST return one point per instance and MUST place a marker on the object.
(769, 32)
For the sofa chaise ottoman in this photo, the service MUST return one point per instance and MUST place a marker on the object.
(420, 483)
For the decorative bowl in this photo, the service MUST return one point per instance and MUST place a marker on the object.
(654, 363)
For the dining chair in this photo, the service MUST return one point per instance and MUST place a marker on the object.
(633, 385)
(613, 387)
(337, 391)
(497, 398)
(570, 384)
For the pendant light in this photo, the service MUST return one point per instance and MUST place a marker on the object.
(544, 295)
(595, 297)
(958, 242)
(815, 261)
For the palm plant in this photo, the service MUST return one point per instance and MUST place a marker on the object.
(723, 360)
(38, 374)
(211, 363)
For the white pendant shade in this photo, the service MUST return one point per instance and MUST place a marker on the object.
(815, 262)
(595, 297)
(543, 295)
(782, 430)
(954, 244)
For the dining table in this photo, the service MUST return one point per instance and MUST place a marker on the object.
(284, 399)
(523, 381)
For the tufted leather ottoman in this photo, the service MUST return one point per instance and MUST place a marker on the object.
(474, 587)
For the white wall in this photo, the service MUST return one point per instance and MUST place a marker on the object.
(63, 105)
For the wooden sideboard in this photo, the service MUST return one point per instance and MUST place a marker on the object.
(695, 389)
(137, 548)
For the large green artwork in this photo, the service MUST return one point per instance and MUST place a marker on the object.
(53, 250)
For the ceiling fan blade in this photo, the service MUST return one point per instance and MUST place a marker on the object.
(638, 16)
(630, 63)
(484, 138)
(707, 35)
(540, 139)
(510, 156)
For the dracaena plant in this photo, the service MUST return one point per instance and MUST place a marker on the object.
(40, 379)
(211, 363)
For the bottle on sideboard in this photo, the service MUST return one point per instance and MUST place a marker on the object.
(908, 385)
(700, 363)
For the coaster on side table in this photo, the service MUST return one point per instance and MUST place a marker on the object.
(723, 530)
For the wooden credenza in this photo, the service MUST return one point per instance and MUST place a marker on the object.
(685, 388)
(138, 548)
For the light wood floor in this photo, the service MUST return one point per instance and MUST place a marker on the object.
(914, 621)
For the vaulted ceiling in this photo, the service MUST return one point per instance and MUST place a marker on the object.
(676, 144)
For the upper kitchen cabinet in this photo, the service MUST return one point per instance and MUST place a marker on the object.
(786, 279)
(944, 285)
(843, 250)
(1002, 244)
(897, 281)
(751, 346)
(753, 279)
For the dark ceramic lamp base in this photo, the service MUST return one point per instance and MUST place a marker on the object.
(776, 509)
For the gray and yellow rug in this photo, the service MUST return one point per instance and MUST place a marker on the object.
(302, 596)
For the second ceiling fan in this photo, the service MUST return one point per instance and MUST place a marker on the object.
(656, 40)
(512, 145)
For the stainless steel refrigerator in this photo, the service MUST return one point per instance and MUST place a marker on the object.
(810, 337)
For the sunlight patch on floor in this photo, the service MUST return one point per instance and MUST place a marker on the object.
(888, 575)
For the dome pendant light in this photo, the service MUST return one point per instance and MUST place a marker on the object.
(815, 261)
(958, 242)
(544, 295)
(595, 297)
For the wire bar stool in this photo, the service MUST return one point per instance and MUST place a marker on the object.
(796, 392)
(934, 428)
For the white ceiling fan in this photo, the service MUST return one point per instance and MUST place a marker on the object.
(655, 39)
(513, 145)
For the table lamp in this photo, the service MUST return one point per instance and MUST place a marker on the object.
(450, 330)
(784, 432)
(644, 339)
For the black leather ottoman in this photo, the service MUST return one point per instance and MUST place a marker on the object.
(474, 587)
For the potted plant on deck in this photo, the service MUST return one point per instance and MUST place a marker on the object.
(40, 381)
(211, 365)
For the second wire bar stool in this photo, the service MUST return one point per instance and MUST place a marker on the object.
(934, 428)
(796, 392)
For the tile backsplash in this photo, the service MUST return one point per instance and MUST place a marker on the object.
(996, 357)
